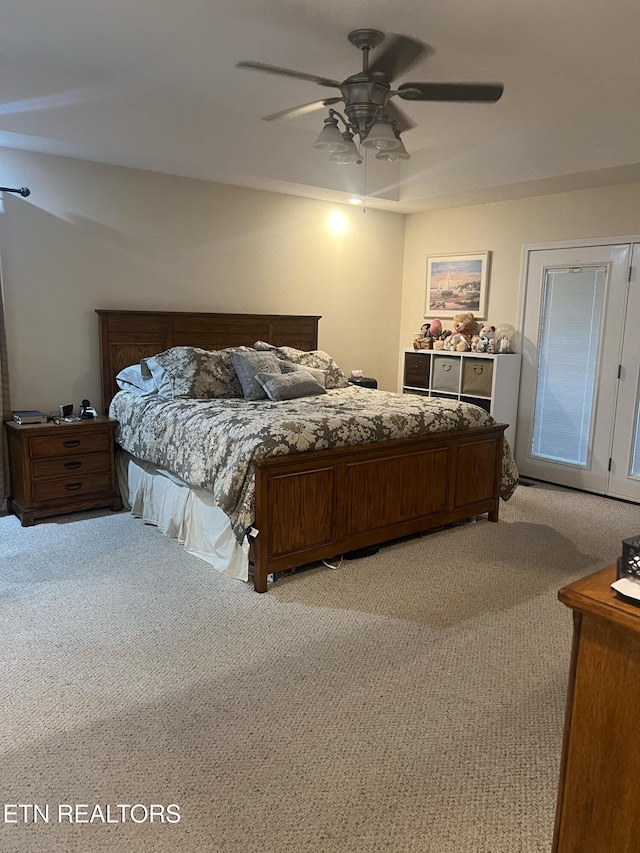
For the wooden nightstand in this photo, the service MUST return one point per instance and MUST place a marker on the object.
(60, 468)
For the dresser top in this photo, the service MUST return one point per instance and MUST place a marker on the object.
(593, 594)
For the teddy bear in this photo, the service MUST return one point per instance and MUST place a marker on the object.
(467, 326)
(485, 338)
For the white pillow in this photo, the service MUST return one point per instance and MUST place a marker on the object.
(137, 380)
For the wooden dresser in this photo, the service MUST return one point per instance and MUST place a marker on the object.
(60, 468)
(598, 810)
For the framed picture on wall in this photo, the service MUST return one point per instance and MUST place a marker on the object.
(458, 283)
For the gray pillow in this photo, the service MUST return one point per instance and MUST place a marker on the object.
(193, 372)
(316, 358)
(289, 386)
(319, 375)
(247, 364)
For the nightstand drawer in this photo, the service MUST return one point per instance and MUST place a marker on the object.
(70, 443)
(50, 490)
(49, 469)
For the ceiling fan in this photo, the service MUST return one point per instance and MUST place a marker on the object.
(371, 114)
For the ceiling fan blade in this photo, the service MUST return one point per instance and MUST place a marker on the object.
(480, 92)
(287, 72)
(402, 120)
(398, 56)
(302, 110)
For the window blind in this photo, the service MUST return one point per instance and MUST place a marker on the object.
(570, 332)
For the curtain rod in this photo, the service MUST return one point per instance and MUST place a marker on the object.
(23, 191)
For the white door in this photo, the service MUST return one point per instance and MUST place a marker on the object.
(575, 301)
(624, 476)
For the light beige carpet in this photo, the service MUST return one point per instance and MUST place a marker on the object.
(410, 702)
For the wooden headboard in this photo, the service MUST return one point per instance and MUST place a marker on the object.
(128, 336)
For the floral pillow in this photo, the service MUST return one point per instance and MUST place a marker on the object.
(192, 372)
(316, 358)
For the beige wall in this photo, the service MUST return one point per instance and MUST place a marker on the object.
(504, 228)
(93, 236)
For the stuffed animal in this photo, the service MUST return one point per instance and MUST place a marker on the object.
(467, 326)
(436, 329)
(486, 336)
(457, 343)
(488, 331)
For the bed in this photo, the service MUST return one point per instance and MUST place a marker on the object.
(317, 504)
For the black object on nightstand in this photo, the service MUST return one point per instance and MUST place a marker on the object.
(364, 381)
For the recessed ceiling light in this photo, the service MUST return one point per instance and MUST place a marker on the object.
(355, 201)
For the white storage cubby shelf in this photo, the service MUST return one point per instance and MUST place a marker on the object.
(487, 380)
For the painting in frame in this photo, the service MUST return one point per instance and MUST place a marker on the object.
(456, 284)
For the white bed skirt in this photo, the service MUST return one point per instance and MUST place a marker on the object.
(182, 512)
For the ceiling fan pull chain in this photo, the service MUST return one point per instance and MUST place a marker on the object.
(364, 188)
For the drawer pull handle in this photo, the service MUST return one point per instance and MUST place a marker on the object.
(446, 367)
(71, 442)
(477, 369)
(72, 487)
(72, 465)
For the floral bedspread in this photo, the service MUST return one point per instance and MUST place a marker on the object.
(213, 443)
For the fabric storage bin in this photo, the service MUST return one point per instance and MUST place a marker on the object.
(477, 376)
(416, 370)
(446, 373)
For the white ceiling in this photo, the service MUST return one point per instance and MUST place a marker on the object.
(152, 84)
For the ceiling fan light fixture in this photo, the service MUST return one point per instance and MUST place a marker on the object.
(381, 136)
(370, 115)
(399, 153)
(330, 139)
(351, 155)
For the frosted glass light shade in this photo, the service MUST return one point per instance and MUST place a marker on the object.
(330, 139)
(399, 153)
(351, 155)
(382, 137)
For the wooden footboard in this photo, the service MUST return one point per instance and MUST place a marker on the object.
(318, 505)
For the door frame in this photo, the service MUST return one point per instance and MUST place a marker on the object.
(529, 248)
